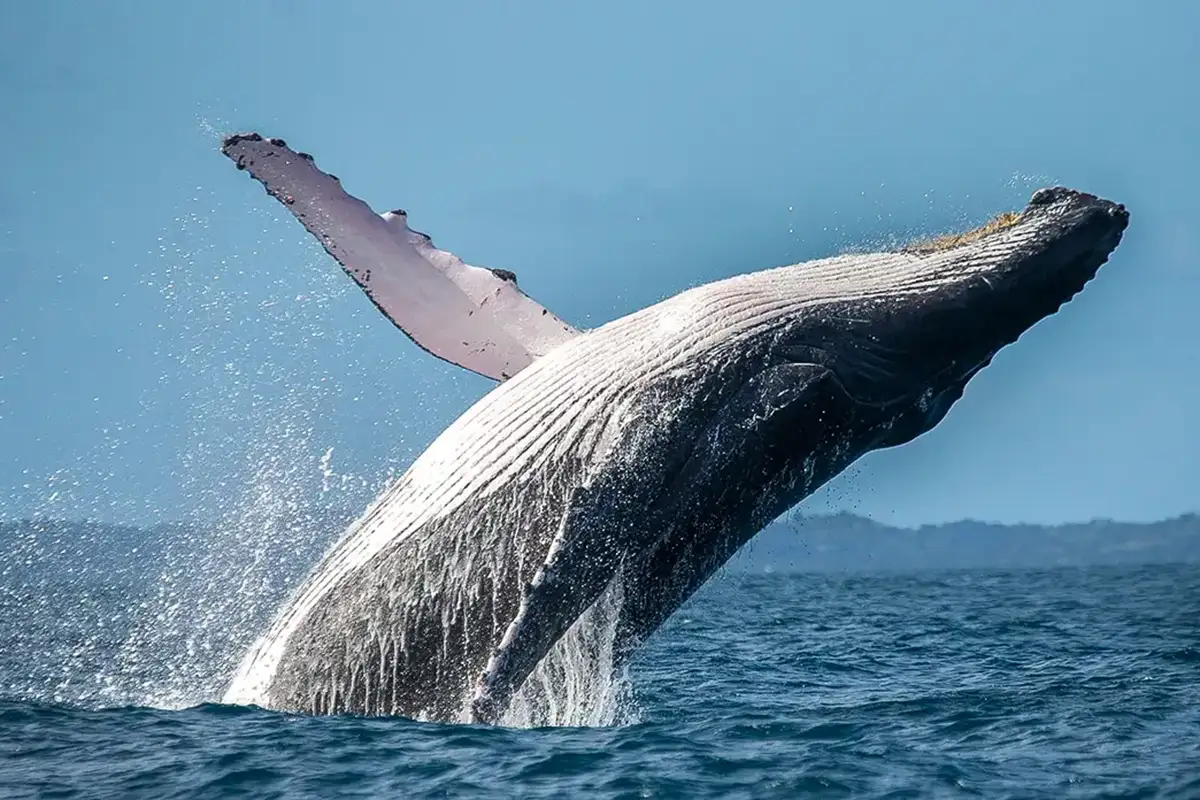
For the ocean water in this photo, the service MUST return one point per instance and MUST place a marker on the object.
(1053, 683)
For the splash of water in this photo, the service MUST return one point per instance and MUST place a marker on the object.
(219, 585)
(158, 614)
(577, 683)
(265, 499)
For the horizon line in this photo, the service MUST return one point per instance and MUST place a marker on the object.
(792, 518)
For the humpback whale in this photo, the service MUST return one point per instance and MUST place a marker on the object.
(630, 461)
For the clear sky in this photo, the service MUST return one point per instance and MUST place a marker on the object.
(174, 345)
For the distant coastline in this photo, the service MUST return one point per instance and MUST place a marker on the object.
(46, 550)
(848, 542)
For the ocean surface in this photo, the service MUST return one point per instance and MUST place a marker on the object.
(1056, 683)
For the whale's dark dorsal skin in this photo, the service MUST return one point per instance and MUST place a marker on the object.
(638, 457)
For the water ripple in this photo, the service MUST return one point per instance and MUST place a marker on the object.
(1056, 684)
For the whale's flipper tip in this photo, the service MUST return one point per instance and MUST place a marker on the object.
(470, 316)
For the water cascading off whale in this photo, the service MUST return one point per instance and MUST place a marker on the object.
(629, 461)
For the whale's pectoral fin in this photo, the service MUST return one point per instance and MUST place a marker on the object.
(581, 561)
(471, 316)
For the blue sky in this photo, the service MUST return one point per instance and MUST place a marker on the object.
(172, 345)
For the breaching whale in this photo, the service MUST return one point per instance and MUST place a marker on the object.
(632, 460)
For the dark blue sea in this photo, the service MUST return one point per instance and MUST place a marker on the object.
(1057, 683)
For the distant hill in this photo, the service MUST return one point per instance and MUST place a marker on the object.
(846, 542)
(90, 553)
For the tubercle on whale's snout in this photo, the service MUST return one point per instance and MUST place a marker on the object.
(1073, 201)
(1049, 195)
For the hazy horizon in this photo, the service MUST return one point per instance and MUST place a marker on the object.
(795, 517)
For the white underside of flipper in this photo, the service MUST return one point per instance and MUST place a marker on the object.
(475, 317)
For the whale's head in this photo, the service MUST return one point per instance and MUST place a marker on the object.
(824, 361)
(903, 332)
